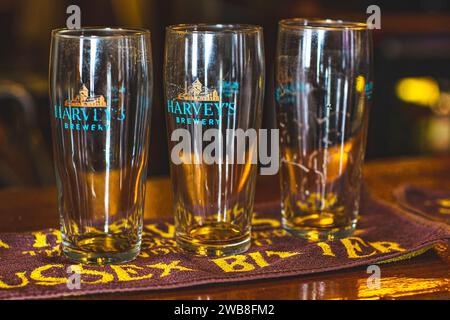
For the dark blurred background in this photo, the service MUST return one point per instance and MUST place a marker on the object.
(410, 115)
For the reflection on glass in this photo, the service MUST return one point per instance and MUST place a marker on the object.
(323, 87)
(100, 83)
(214, 76)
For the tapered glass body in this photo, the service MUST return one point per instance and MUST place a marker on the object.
(100, 88)
(323, 90)
(213, 78)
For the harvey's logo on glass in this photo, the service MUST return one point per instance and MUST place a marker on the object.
(90, 112)
(198, 104)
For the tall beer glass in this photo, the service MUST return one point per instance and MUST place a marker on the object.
(100, 87)
(324, 84)
(214, 78)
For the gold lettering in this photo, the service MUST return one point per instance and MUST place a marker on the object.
(167, 268)
(265, 221)
(58, 235)
(92, 229)
(262, 242)
(128, 272)
(31, 253)
(104, 277)
(239, 263)
(279, 233)
(260, 234)
(56, 251)
(259, 259)
(119, 225)
(40, 238)
(3, 245)
(43, 280)
(23, 283)
(354, 247)
(281, 254)
(326, 249)
(236, 263)
(160, 250)
(386, 246)
(164, 242)
(237, 211)
(165, 234)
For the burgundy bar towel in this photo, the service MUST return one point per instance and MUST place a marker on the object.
(31, 266)
(430, 203)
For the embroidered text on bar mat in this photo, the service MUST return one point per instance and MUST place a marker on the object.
(31, 266)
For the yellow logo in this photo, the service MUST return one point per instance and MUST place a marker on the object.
(198, 92)
(84, 100)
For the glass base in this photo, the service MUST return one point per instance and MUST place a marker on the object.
(96, 258)
(320, 234)
(101, 250)
(216, 247)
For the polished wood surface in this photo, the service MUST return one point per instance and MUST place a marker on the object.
(423, 277)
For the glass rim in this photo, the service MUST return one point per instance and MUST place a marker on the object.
(110, 32)
(213, 28)
(321, 24)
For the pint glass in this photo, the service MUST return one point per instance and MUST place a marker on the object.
(214, 78)
(323, 88)
(100, 88)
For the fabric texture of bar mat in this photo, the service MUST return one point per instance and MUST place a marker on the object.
(31, 266)
(430, 203)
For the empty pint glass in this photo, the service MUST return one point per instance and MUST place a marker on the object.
(323, 88)
(100, 87)
(213, 78)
